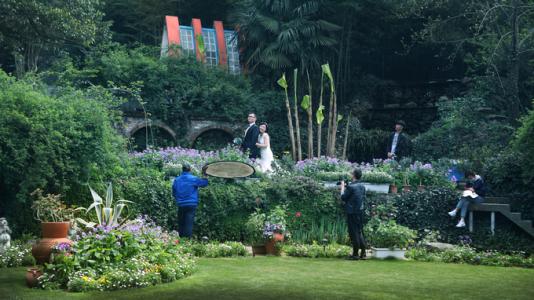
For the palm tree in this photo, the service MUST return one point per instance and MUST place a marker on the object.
(279, 35)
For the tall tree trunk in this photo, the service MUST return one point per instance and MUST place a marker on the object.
(345, 143)
(334, 126)
(291, 131)
(320, 124)
(297, 125)
(330, 123)
(515, 108)
(310, 118)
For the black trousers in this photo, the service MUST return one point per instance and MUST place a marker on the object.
(355, 225)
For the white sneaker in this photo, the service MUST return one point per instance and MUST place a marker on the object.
(460, 224)
(452, 213)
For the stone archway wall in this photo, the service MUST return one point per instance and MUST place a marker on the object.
(132, 125)
(199, 127)
(195, 128)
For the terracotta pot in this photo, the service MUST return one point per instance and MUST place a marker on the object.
(420, 188)
(53, 233)
(258, 250)
(393, 189)
(278, 237)
(406, 188)
(270, 245)
(32, 274)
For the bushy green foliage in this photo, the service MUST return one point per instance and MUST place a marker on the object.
(137, 254)
(388, 234)
(56, 143)
(212, 250)
(523, 143)
(18, 254)
(468, 255)
(464, 130)
(315, 250)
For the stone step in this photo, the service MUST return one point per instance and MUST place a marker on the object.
(516, 216)
(528, 223)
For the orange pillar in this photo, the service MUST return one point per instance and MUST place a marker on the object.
(173, 32)
(221, 43)
(197, 31)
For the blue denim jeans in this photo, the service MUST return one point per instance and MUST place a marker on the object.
(464, 202)
(186, 218)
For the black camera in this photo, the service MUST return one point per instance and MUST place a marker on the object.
(341, 179)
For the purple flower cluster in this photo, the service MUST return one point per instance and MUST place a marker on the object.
(196, 158)
(322, 163)
(269, 229)
(420, 166)
(62, 247)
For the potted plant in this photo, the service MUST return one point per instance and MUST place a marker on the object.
(406, 181)
(55, 218)
(377, 181)
(388, 239)
(422, 171)
(254, 232)
(274, 229)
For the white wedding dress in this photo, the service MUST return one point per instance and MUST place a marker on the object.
(266, 155)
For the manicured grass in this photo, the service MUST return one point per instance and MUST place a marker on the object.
(300, 278)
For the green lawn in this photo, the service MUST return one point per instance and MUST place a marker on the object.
(300, 278)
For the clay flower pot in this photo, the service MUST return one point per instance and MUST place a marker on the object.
(32, 276)
(270, 245)
(393, 189)
(407, 188)
(420, 188)
(53, 233)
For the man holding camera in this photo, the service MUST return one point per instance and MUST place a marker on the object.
(353, 198)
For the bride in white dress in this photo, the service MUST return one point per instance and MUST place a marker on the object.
(266, 154)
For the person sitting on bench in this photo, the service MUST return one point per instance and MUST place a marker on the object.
(475, 191)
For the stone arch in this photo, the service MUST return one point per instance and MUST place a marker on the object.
(139, 124)
(198, 133)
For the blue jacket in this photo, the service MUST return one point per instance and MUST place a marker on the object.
(354, 197)
(185, 189)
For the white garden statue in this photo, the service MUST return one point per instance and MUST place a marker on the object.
(5, 235)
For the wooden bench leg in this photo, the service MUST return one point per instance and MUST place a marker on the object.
(492, 223)
(470, 221)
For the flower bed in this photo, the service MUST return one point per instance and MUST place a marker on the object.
(109, 258)
(315, 250)
(16, 255)
(468, 255)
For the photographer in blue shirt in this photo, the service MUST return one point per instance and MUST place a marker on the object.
(185, 192)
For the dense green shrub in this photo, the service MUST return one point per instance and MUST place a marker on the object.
(56, 143)
(212, 250)
(315, 250)
(464, 130)
(366, 145)
(468, 255)
(18, 254)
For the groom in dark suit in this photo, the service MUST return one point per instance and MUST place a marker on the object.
(251, 137)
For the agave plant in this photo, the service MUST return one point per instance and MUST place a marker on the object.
(106, 213)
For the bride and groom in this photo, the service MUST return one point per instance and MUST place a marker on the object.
(257, 142)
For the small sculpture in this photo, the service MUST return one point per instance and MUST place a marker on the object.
(5, 235)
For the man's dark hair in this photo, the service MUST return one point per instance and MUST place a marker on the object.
(469, 173)
(251, 113)
(357, 173)
(401, 123)
(186, 167)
